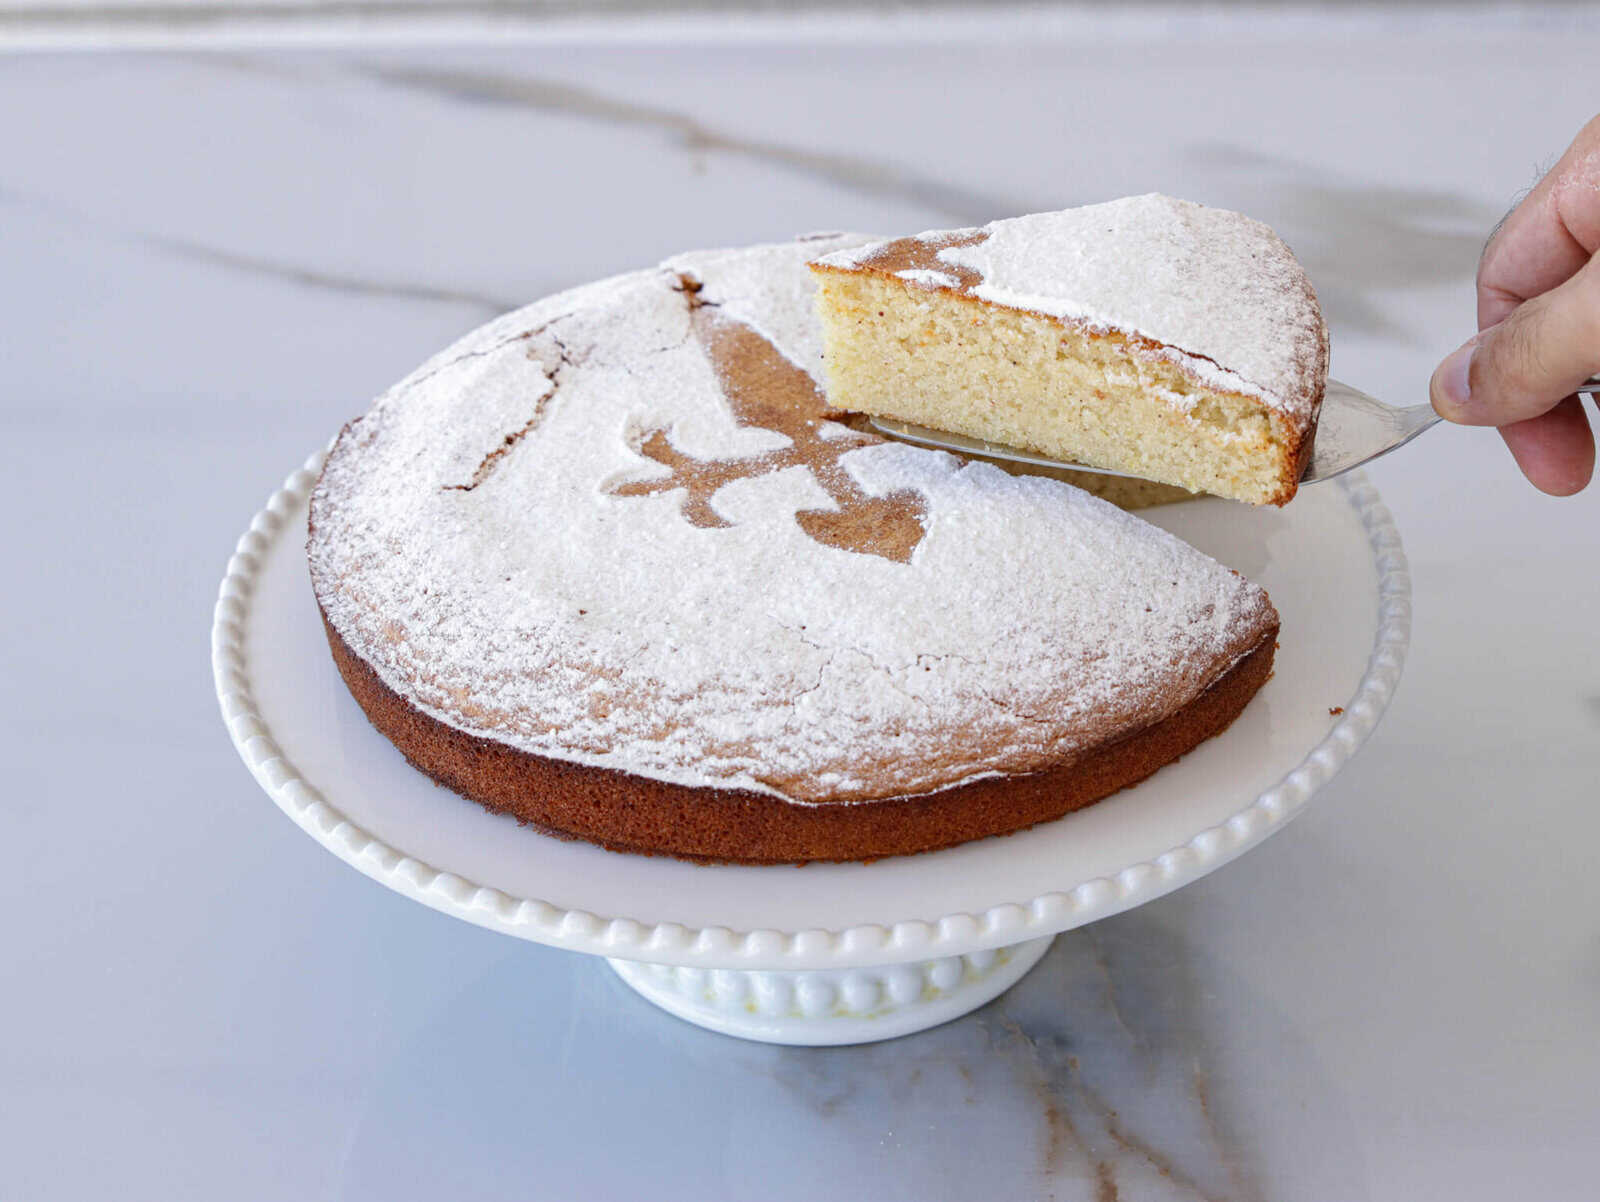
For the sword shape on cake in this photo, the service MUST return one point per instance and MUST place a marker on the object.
(766, 390)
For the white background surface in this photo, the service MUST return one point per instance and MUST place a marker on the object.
(211, 261)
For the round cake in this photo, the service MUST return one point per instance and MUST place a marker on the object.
(610, 565)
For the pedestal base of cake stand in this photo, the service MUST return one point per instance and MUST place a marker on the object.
(828, 1007)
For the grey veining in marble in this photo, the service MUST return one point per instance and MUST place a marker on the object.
(309, 277)
(1090, 1080)
(872, 177)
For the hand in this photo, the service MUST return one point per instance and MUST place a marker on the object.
(1538, 326)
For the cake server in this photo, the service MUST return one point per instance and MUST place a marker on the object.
(1353, 429)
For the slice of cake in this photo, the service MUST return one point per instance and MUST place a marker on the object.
(1150, 336)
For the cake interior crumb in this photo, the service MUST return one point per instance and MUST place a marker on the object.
(929, 356)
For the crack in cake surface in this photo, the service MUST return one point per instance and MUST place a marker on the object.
(495, 454)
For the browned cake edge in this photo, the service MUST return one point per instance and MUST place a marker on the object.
(625, 812)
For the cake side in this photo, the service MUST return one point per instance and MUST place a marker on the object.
(629, 813)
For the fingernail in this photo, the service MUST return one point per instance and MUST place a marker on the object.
(1452, 392)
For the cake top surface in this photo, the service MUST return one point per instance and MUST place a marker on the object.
(618, 527)
(1215, 290)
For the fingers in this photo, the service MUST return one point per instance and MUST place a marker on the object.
(1554, 450)
(1546, 238)
(1528, 363)
(1539, 326)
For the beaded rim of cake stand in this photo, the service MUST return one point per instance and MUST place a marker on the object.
(723, 947)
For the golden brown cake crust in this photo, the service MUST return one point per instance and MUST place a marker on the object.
(631, 813)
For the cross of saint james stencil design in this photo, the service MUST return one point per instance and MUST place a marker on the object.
(766, 390)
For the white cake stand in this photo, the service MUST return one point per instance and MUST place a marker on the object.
(831, 953)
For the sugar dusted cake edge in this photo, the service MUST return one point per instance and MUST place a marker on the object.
(628, 813)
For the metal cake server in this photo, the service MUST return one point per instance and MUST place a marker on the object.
(1353, 429)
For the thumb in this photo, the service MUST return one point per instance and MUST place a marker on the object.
(1528, 363)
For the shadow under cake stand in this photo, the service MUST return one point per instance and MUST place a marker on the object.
(831, 953)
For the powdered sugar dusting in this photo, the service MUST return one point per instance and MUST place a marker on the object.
(539, 608)
(929, 279)
(1220, 292)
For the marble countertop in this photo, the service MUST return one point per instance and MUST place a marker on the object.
(212, 259)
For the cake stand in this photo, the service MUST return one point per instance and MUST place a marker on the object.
(831, 953)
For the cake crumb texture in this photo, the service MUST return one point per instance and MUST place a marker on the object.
(1149, 336)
